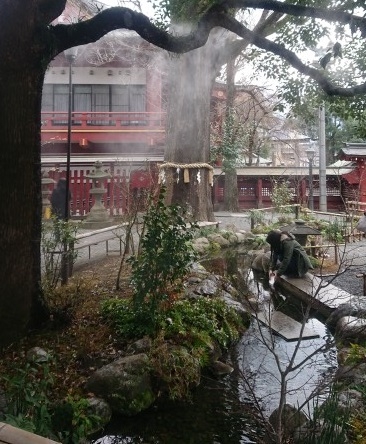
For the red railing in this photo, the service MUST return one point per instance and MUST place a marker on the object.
(85, 120)
(121, 191)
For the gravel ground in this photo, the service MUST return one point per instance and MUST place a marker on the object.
(352, 263)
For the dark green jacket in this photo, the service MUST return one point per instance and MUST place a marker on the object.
(293, 258)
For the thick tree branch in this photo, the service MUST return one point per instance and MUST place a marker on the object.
(232, 49)
(327, 14)
(111, 19)
(89, 31)
(320, 77)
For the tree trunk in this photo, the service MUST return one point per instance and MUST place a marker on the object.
(231, 201)
(231, 191)
(21, 79)
(188, 132)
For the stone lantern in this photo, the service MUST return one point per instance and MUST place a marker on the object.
(98, 216)
(46, 182)
(300, 231)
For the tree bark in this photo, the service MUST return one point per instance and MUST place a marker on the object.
(231, 202)
(188, 130)
(20, 184)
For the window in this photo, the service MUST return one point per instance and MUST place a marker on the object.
(97, 98)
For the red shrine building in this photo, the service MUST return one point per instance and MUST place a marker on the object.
(117, 117)
(353, 155)
(118, 106)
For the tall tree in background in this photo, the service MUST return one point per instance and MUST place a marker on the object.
(231, 201)
(191, 79)
(29, 41)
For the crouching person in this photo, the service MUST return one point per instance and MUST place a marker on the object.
(288, 257)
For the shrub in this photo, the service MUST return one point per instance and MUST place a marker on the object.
(257, 217)
(203, 317)
(128, 321)
(163, 260)
(177, 368)
(186, 321)
(30, 405)
(281, 196)
(333, 231)
(56, 236)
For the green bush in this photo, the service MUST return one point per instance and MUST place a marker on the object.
(163, 260)
(203, 317)
(186, 321)
(281, 196)
(333, 231)
(30, 405)
(177, 368)
(128, 321)
(329, 424)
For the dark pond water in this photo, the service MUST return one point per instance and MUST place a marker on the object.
(222, 411)
(216, 415)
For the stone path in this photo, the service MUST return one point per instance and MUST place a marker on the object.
(286, 327)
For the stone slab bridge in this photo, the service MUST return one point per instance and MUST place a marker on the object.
(323, 297)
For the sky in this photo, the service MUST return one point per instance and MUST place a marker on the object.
(145, 5)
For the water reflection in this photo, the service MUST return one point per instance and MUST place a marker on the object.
(262, 356)
(215, 415)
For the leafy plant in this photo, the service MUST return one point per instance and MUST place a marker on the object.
(333, 231)
(58, 239)
(204, 316)
(30, 405)
(177, 368)
(329, 424)
(281, 196)
(127, 320)
(27, 392)
(72, 420)
(164, 257)
(356, 354)
(257, 217)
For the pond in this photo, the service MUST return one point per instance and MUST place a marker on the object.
(225, 411)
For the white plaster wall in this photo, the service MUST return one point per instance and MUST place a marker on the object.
(96, 76)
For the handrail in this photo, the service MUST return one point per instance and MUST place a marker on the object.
(81, 119)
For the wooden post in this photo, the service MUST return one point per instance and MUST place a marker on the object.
(260, 192)
(363, 275)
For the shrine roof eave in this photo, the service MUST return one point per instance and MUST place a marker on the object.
(354, 152)
(283, 171)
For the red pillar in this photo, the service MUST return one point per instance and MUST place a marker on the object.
(259, 193)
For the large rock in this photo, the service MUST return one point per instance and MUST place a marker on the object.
(292, 418)
(262, 262)
(351, 374)
(218, 239)
(351, 327)
(99, 408)
(319, 432)
(355, 307)
(201, 245)
(350, 400)
(125, 384)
